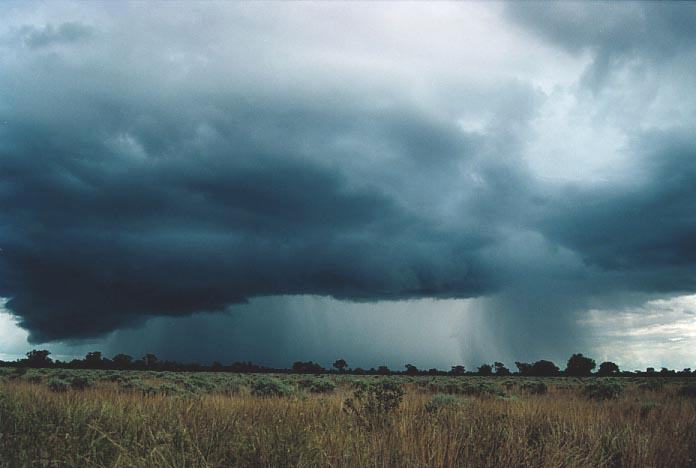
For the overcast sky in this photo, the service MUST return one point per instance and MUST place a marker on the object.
(434, 183)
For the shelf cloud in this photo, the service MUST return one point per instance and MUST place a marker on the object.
(166, 161)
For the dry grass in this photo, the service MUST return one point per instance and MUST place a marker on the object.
(105, 426)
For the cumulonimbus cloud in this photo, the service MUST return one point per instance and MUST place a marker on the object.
(160, 179)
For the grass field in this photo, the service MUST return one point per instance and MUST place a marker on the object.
(129, 418)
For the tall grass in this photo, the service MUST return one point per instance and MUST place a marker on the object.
(102, 425)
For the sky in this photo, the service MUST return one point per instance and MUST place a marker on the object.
(426, 183)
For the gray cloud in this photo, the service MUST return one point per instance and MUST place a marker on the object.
(163, 168)
(614, 34)
(64, 33)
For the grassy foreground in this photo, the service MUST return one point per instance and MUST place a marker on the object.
(111, 418)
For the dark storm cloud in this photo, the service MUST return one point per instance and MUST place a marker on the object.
(187, 175)
(643, 228)
(613, 33)
(64, 33)
(107, 222)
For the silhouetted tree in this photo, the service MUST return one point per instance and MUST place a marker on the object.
(579, 365)
(340, 365)
(247, 366)
(411, 369)
(457, 370)
(540, 368)
(122, 361)
(608, 368)
(216, 367)
(485, 369)
(39, 358)
(383, 370)
(93, 360)
(500, 369)
(544, 368)
(524, 368)
(149, 361)
(308, 367)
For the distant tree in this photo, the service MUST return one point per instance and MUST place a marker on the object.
(433, 371)
(457, 370)
(93, 360)
(340, 365)
(411, 369)
(650, 370)
(149, 360)
(122, 361)
(247, 366)
(485, 369)
(500, 369)
(608, 368)
(383, 370)
(308, 367)
(544, 368)
(39, 358)
(540, 368)
(524, 368)
(216, 366)
(359, 371)
(579, 365)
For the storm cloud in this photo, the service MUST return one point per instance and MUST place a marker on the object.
(164, 162)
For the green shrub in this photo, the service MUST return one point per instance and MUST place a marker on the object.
(688, 390)
(317, 385)
(18, 372)
(454, 387)
(372, 405)
(647, 408)
(603, 390)
(536, 388)
(80, 383)
(58, 385)
(269, 387)
(34, 378)
(441, 401)
(137, 385)
(653, 385)
(231, 388)
(168, 389)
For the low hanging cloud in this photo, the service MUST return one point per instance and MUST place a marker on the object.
(184, 165)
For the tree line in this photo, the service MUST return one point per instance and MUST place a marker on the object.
(576, 366)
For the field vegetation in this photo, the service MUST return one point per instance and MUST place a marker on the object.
(66, 417)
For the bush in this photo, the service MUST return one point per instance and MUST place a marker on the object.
(317, 385)
(270, 388)
(373, 404)
(688, 390)
(168, 389)
(647, 408)
(453, 387)
(18, 372)
(34, 378)
(535, 388)
(231, 388)
(441, 401)
(80, 383)
(58, 385)
(652, 385)
(603, 390)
